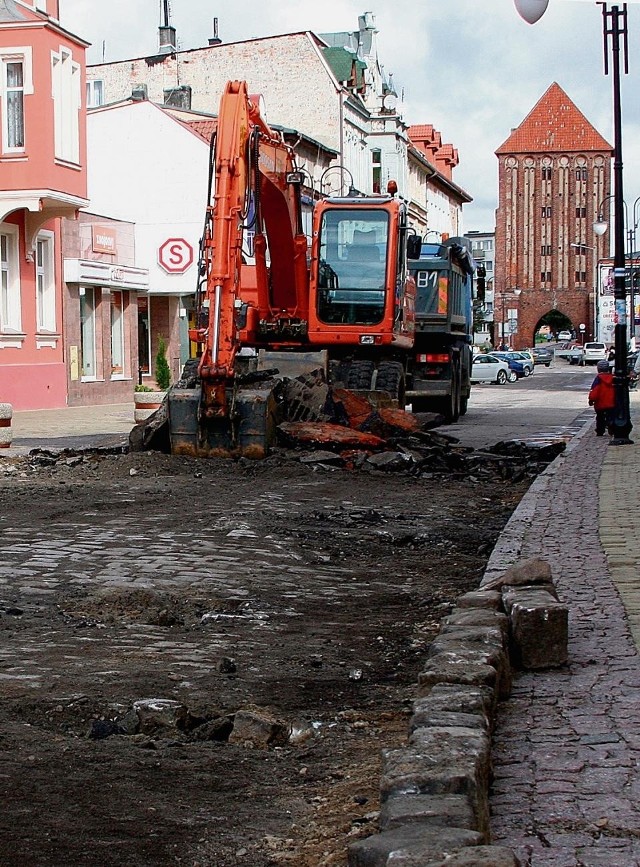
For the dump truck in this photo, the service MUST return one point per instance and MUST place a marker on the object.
(439, 367)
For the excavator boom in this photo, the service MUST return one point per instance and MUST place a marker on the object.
(246, 296)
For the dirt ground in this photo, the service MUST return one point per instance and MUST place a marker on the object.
(284, 610)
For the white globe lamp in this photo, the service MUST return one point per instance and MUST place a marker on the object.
(531, 10)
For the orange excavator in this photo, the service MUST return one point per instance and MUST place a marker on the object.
(263, 287)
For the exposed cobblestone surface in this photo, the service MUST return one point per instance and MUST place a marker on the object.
(274, 590)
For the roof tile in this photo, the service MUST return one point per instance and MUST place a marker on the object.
(554, 124)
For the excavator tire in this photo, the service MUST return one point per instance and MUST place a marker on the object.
(360, 375)
(391, 379)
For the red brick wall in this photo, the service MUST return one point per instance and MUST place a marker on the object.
(523, 233)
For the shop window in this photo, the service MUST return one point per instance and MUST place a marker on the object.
(117, 333)
(88, 331)
(45, 283)
(66, 105)
(10, 313)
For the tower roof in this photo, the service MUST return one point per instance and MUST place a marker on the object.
(554, 124)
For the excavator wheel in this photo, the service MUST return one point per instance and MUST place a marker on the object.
(360, 375)
(391, 379)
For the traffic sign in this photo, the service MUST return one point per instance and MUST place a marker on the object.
(175, 255)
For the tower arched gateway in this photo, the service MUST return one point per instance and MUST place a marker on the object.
(554, 179)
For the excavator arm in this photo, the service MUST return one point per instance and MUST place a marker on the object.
(257, 186)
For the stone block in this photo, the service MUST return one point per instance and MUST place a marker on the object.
(410, 846)
(532, 571)
(491, 599)
(474, 618)
(539, 629)
(464, 666)
(480, 856)
(457, 698)
(160, 715)
(442, 761)
(450, 811)
(458, 652)
(257, 729)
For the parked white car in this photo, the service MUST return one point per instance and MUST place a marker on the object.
(594, 352)
(488, 368)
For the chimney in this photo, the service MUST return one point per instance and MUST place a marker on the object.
(178, 97)
(215, 39)
(167, 32)
(139, 93)
(167, 40)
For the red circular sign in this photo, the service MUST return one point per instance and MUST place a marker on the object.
(175, 255)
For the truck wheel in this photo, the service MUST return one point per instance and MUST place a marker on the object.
(449, 406)
(464, 405)
(390, 378)
(360, 375)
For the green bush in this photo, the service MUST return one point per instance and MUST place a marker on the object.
(143, 388)
(163, 373)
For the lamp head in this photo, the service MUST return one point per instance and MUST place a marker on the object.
(531, 10)
(600, 226)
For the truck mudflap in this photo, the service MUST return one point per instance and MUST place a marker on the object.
(249, 429)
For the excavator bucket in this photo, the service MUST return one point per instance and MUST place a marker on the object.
(249, 429)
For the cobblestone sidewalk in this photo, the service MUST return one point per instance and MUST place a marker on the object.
(566, 750)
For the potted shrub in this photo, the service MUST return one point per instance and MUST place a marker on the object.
(146, 399)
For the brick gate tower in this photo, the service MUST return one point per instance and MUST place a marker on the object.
(554, 175)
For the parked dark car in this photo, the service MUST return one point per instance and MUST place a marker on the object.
(542, 355)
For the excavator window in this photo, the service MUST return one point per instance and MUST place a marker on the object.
(353, 266)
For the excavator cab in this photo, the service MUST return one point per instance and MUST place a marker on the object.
(361, 295)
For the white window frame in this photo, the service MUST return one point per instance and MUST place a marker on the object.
(95, 92)
(23, 55)
(45, 283)
(65, 91)
(10, 299)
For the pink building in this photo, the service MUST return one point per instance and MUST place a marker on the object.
(42, 179)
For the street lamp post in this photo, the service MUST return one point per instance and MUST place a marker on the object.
(614, 23)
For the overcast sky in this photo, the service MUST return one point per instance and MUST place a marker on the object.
(472, 68)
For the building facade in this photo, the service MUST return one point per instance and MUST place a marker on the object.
(554, 180)
(42, 179)
(489, 323)
(329, 87)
